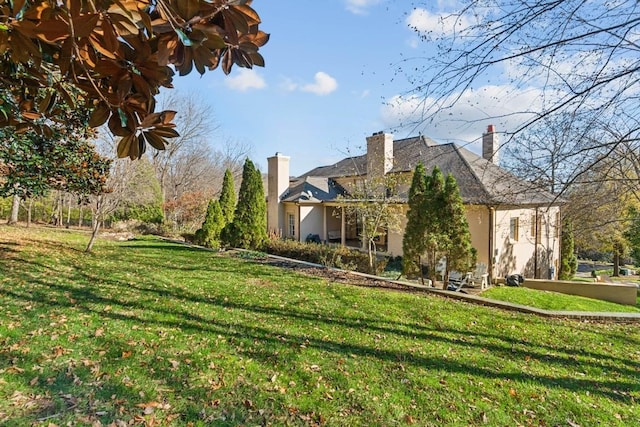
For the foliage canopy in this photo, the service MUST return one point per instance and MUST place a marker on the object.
(119, 54)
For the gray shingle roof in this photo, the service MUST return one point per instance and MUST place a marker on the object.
(313, 189)
(480, 181)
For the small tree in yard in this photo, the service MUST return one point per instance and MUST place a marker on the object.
(209, 234)
(227, 197)
(375, 205)
(414, 243)
(568, 258)
(248, 230)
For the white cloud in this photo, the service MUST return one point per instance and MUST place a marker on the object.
(501, 105)
(441, 23)
(324, 84)
(359, 7)
(245, 79)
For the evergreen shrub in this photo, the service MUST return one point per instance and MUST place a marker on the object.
(328, 255)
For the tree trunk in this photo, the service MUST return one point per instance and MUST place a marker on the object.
(80, 216)
(616, 263)
(15, 209)
(60, 206)
(29, 207)
(68, 213)
(94, 234)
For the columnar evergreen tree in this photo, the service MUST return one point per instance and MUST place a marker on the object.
(209, 234)
(227, 197)
(413, 243)
(456, 243)
(568, 258)
(248, 229)
(434, 218)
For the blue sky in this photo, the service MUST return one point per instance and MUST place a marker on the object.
(330, 69)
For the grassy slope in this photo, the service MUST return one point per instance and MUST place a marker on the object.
(150, 331)
(554, 301)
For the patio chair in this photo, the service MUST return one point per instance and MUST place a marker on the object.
(479, 276)
(458, 280)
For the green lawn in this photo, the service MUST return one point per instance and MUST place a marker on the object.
(153, 333)
(554, 301)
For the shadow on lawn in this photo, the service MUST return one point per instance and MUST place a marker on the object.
(87, 299)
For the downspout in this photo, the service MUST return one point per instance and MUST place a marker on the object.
(298, 223)
(491, 244)
(535, 247)
(343, 227)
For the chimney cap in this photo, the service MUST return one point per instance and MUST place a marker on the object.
(491, 129)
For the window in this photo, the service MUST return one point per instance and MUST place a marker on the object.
(292, 225)
(536, 227)
(513, 228)
(533, 225)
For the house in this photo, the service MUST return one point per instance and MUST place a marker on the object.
(515, 226)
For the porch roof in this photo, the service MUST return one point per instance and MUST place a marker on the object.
(313, 189)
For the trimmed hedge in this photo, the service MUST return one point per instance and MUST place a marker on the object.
(328, 255)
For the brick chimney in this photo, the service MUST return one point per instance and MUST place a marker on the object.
(277, 186)
(379, 154)
(490, 145)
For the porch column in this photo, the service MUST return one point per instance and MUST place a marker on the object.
(343, 227)
(324, 224)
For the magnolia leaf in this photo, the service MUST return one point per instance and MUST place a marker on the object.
(227, 61)
(256, 59)
(250, 15)
(97, 45)
(85, 24)
(31, 116)
(123, 25)
(167, 132)
(150, 120)
(167, 116)
(116, 127)
(52, 30)
(124, 85)
(45, 102)
(155, 140)
(99, 115)
(167, 44)
(124, 145)
(107, 68)
(110, 38)
(188, 8)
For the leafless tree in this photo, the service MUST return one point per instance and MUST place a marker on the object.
(128, 182)
(575, 59)
(192, 167)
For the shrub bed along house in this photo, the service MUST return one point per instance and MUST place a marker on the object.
(328, 255)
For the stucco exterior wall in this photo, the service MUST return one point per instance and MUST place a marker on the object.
(479, 221)
(311, 220)
(395, 237)
(522, 253)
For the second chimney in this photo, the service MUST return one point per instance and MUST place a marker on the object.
(379, 154)
(490, 145)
